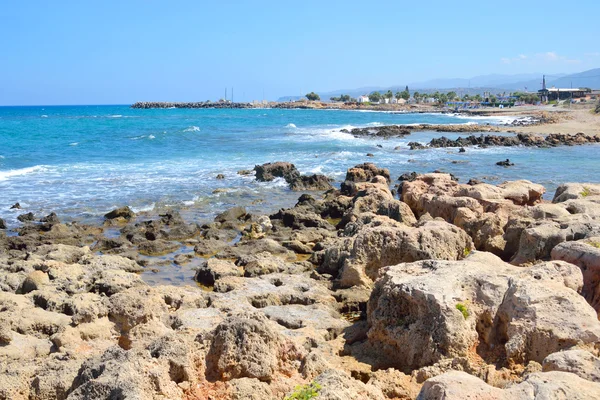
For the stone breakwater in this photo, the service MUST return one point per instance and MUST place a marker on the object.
(404, 130)
(200, 104)
(527, 140)
(433, 289)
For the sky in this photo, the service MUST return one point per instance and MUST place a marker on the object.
(119, 52)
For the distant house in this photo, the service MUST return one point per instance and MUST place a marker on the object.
(550, 94)
(363, 99)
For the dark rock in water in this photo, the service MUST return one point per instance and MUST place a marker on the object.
(245, 172)
(2, 224)
(365, 172)
(26, 217)
(381, 131)
(15, 206)
(505, 163)
(415, 146)
(269, 171)
(370, 155)
(380, 146)
(233, 214)
(311, 182)
(462, 150)
(408, 177)
(473, 182)
(51, 218)
(220, 176)
(398, 148)
(123, 212)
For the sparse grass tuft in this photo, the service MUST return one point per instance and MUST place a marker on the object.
(585, 192)
(463, 309)
(305, 392)
(466, 252)
(595, 244)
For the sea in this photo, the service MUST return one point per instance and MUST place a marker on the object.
(83, 161)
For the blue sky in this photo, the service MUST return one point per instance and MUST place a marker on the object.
(115, 52)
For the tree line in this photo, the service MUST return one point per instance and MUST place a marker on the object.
(438, 97)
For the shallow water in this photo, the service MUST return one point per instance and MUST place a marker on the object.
(82, 161)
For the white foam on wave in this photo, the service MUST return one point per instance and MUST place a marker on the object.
(291, 126)
(276, 183)
(151, 137)
(115, 116)
(43, 116)
(147, 208)
(74, 144)
(316, 170)
(497, 119)
(192, 129)
(374, 124)
(4, 175)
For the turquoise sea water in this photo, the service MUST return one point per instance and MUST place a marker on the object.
(82, 161)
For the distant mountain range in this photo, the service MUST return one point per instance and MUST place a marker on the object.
(495, 83)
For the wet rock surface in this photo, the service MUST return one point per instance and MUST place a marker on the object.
(436, 290)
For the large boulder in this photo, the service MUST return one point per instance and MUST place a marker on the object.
(248, 346)
(269, 171)
(311, 182)
(579, 362)
(422, 312)
(383, 242)
(547, 385)
(586, 255)
(568, 191)
(365, 172)
(482, 210)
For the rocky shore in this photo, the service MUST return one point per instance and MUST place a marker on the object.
(526, 140)
(422, 289)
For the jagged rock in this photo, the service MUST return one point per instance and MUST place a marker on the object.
(366, 172)
(586, 255)
(213, 269)
(311, 182)
(579, 362)
(384, 242)
(337, 385)
(547, 385)
(568, 191)
(29, 217)
(123, 212)
(233, 214)
(248, 346)
(2, 224)
(422, 312)
(269, 171)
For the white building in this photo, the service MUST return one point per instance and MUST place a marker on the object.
(363, 99)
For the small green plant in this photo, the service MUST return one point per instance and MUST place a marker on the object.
(463, 309)
(305, 392)
(595, 244)
(585, 192)
(466, 252)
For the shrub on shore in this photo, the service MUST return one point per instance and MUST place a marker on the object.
(597, 110)
(313, 96)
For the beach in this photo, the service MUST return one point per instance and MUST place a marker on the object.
(264, 254)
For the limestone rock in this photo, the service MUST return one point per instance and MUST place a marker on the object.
(247, 346)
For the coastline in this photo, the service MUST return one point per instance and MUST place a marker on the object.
(314, 285)
(383, 288)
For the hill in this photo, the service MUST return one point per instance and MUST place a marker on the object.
(495, 83)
